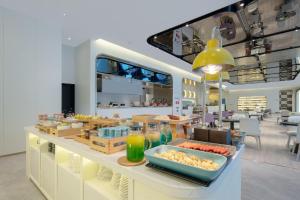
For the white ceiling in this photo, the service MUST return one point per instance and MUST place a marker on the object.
(125, 22)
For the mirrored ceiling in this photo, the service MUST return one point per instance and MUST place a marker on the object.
(262, 35)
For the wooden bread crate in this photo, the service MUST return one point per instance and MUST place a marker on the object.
(66, 132)
(108, 146)
(143, 118)
(82, 136)
(82, 139)
(45, 129)
(103, 122)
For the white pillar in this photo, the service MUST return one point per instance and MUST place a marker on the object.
(204, 101)
(220, 124)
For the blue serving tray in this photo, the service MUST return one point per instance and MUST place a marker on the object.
(206, 175)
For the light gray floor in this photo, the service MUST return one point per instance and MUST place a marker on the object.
(267, 174)
(13, 182)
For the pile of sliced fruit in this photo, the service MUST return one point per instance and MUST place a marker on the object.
(207, 148)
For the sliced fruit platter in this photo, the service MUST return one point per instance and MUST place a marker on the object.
(225, 150)
(207, 148)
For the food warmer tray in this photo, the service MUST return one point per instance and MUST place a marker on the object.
(179, 175)
(195, 172)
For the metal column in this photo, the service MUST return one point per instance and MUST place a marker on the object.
(204, 101)
(220, 124)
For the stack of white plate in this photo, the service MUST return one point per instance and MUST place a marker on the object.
(115, 180)
(104, 174)
(123, 188)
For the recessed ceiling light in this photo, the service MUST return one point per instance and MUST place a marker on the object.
(242, 4)
(69, 38)
(65, 14)
(296, 30)
(187, 25)
(155, 37)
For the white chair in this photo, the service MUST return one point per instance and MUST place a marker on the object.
(250, 127)
(297, 142)
(284, 115)
(238, 116)
(291, 133)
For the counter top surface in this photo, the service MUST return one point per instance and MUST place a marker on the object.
(134, 107)
(162, 182)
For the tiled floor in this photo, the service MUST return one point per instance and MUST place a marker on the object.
(13, 182)
(271, 173)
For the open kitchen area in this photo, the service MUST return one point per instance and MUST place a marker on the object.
(138, 100)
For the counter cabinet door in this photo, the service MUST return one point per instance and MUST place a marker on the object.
(34, 159)
(68, 184)
(48, 175)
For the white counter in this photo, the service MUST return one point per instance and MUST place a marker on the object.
(146, 181)
(127, 112)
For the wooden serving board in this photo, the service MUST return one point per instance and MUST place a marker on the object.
(123, 161)
(143, 118)
(103, 122)
(66, 132)
(45, 129)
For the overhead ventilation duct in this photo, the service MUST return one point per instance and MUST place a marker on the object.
(286, 11)
(227, 27)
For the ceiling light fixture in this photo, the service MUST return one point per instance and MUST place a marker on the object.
(242, 4)
(69, 38)
(187, 25)
(155, 37)
(65, 14)
(211, 60)
(214, 58)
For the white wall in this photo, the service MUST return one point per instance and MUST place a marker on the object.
(1, 86)
(30, 76)
(86, 55)
(68, 64)
(83, 77)
(271, 94)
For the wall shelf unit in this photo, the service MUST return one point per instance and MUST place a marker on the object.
(250, 103)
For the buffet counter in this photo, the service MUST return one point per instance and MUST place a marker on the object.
(127, 112)
(51, 174)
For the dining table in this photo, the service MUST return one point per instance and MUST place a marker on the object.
(258, 115)
(287, 123)
(232, 121)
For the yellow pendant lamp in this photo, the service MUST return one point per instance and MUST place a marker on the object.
(213, 58)
(215, 77)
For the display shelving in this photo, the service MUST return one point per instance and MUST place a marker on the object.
(251, 103)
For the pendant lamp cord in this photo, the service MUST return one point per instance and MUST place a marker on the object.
(216, 33)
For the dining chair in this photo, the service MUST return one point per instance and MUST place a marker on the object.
(209, 119)
(297, 143)
(250, 127)
(225, 114)
(291, 133)
(284, 116)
